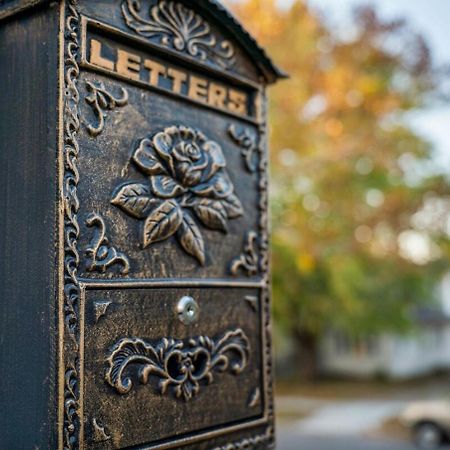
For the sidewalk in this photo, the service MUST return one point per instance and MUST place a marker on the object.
(311, 424)
(350, 416)
(288, 439)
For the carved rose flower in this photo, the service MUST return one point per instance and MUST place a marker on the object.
(186, 172)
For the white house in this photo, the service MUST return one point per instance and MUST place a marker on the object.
(425, 351)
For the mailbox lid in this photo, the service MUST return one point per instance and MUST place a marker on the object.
(204, 32)
(149, 377)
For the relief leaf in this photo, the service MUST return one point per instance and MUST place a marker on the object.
(191, 238)
(135, 199)
(233, 206)
(162, 222)
(212, 214)
(166, 187)
(147, 160)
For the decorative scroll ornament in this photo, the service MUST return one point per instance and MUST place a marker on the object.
(247, 142)
(100, 434)
(100, 309)
(101, 101)
(102, 255)
(187, 177)
(252, 301)
(180, 28)
(180, 366)
(247, 261)
(255, 398)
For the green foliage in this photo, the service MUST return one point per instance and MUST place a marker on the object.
(345, 163)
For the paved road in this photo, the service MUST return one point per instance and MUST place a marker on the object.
(292, 441)
(338, 425)
(349, 418)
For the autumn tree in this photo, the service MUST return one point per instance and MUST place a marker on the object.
(351, 178)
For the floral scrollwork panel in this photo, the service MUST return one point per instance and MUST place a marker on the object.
(247, 141)
(182, 367)
(101, 254)
(187, 185)
(102, 101)
(180, 28)
(247, 262)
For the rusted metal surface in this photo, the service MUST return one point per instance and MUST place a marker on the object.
(158, 329)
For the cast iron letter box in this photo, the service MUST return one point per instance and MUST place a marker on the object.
(134, 290)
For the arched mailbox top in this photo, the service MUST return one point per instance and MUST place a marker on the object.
(257, 53)
(202, 30)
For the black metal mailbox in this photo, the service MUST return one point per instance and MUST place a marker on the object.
(134, 290)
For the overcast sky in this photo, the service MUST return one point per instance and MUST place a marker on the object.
(432, 19)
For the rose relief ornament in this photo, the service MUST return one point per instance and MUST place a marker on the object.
(187, 184)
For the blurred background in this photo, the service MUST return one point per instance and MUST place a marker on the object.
(360, 160)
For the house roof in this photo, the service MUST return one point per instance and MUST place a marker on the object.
(215, 9)
(431, 316)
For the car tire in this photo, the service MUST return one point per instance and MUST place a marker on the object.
(428, 436)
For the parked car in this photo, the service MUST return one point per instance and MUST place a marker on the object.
(429, 422)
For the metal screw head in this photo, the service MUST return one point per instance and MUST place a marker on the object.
(187, 310)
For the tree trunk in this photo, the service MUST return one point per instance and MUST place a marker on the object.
(306, 354)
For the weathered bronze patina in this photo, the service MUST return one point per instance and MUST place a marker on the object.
(134, 290)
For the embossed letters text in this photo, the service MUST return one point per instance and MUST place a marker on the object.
(142, 68)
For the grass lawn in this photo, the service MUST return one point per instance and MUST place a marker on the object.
(334, 389)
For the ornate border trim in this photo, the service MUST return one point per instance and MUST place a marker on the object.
(72, 423)
(264, 262)
(249, 443)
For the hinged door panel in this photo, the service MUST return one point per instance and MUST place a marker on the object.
(151, 376)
